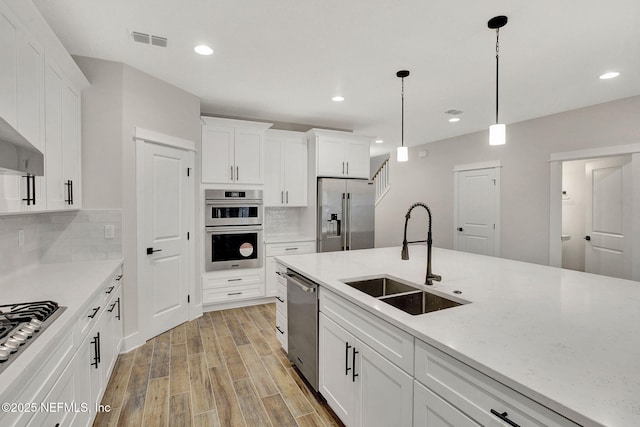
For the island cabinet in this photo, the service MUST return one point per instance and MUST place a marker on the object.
(340, 154)
(362, 385)
(449, 392)
(285, 182)
(232, 151)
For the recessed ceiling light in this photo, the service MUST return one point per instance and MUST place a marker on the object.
(609, 75)
(337, 98)
(379, 141)
(203, 49)
(454, 119)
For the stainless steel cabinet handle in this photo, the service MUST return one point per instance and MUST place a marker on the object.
(231, 171)
(344, 220)
(237, 173)
(342, 168)
(347, 168)
(282, 197)
(348, 216)
(287, 196)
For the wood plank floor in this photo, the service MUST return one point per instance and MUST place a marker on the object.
(225, 368)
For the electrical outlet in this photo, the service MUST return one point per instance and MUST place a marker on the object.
(109, 232)
(20, 237)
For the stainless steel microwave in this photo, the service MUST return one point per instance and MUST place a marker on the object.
(233, 207)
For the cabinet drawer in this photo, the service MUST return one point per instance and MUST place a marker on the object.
(281, 299)
(232, 293)
(232, 280)
(476, 394)
(281, 330)
(89, 316)
(391, 342)
(292, 248)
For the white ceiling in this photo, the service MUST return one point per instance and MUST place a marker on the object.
(283, 60)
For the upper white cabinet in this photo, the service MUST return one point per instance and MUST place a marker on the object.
(232, 151)
(41, 90)
(285, 181)
(340, 154)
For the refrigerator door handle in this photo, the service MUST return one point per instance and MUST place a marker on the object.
(345, 227)
(348, 212)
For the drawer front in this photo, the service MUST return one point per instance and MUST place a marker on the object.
(232, 293)
(281, 330)
(476, 394)
(232, 280)
(89, 316)
(292, 248)
(280, 270)
(281, 299)
(388, 340)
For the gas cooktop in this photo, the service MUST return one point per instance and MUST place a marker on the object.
(21, 324)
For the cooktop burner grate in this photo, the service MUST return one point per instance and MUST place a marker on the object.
(24, 312)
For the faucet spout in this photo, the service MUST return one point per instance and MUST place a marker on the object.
(430, 277)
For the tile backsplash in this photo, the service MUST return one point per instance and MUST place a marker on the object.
(52, 237)
(281, 220)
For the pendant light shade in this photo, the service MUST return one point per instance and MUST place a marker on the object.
(403, 152)
(497, 132)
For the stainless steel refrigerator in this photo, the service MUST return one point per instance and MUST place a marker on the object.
(346, 214)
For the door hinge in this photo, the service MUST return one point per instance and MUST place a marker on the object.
(188, 171)
(188, 299)
(187, 235)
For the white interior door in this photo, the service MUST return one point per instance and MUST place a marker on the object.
(165, 261)
(476, 211)
(608, 217)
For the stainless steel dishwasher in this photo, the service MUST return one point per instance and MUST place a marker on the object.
(302, 315)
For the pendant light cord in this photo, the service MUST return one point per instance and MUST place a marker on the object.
(497, 68)
(402, 137)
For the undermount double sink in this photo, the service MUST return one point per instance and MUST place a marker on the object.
(403, 296)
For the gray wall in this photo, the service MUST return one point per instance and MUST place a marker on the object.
(525, 175)
(146, 102)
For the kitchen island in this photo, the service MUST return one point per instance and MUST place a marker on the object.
(567, 340)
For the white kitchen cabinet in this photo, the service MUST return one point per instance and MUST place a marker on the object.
(62, 141)
(340, 154)
(9, 68)
(282, 248)
(232, 151)
(430, 410)
(480, 398)
(232, 285)
(362, 387)
(285, 169)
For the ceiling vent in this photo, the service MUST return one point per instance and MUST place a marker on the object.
(149, 39)
(453, 112)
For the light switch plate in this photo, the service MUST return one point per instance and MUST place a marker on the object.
(109, 232)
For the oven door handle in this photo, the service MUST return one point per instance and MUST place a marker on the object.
(233, 229)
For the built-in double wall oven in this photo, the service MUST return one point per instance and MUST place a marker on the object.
(233, 223)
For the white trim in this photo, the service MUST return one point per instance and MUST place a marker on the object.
(235, 123)
(595, 153)
(275, 133)
(160, 138)
(339, 134)
(555, 198)
(481, 165)
(238, 304)
(131, 342)
(496, 202)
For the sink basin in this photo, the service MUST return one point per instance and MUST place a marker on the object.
(408, 298)
(380, 286)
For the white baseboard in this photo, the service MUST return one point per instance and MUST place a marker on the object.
(131, 342)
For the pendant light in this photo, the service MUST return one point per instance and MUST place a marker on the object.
(403, 152)
(497, 132)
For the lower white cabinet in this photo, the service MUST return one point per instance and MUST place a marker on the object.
(362, 387)
(232, 285)
(273, 250)
(430, 410)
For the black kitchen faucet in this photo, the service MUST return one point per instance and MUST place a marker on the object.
(405, 245)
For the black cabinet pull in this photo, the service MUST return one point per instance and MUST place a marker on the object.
(96, 350)
(118, 302)
(587, 238)
(111, 308)
(280, 330)
(118, 277)
(95, 311)
(99, 349)
(353, 365)
(279, 299)
(31, 190)
(346, 358)
(69, 185)
(108, 291)
(504, 417)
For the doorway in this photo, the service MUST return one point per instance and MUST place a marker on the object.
(165, 249)
(476, 208)
(593, 201)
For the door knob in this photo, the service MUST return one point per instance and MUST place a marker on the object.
(460, 229)
(151, 251)
(587, 238)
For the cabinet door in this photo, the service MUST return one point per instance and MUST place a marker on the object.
(273, 191)
(335, 369)
(30, 91)
(331, 161)
(383, 391)
(10, 193)
(357, 159)
(70, 128)
(270, 278)
(8, 70)
(294, 174)
(429, 410)
(248, 152)
(53, 86)
(217, 154)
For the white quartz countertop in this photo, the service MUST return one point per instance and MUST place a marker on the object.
(568, 340)
(71, 285)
